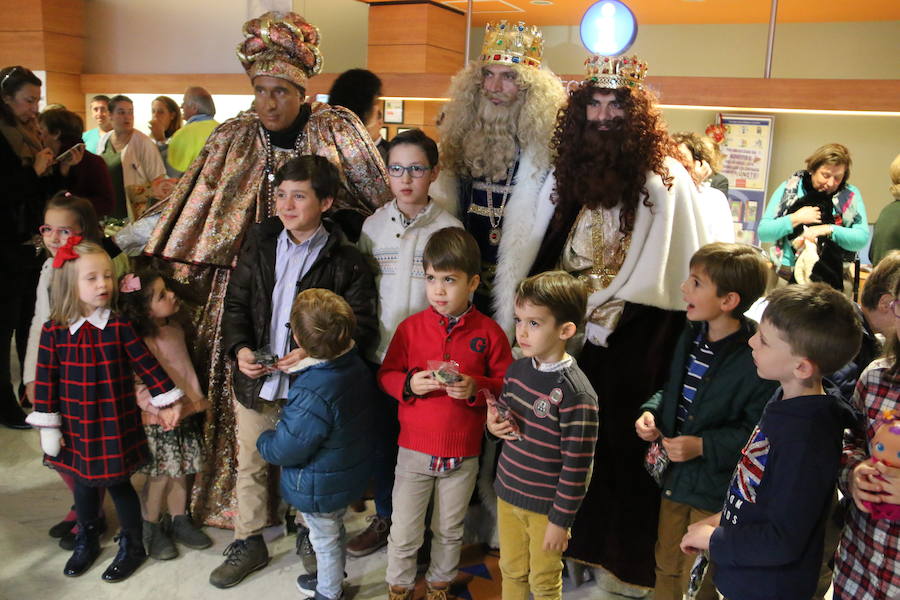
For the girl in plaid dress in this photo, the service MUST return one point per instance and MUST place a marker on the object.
(84, 401)
(867, 563)
(145, 300)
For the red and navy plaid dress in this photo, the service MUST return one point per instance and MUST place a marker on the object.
(867, 562)
(87, 378)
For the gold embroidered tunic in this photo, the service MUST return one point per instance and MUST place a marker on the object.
(594, 252)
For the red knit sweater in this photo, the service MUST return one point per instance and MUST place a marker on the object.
(437, 424)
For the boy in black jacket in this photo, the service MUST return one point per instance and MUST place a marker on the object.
(710, 403)
(282, 256)
(768, 543)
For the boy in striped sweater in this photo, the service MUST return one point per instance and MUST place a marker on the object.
(548, 418)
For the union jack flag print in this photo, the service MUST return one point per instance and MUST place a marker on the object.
(751, 467)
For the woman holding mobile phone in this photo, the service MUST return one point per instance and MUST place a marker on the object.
(82, 173)
(23, 164)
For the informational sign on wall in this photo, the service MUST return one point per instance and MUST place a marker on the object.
(747, 151)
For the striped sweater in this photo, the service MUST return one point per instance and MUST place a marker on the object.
(548, 470)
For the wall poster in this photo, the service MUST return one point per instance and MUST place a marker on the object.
(747, 151)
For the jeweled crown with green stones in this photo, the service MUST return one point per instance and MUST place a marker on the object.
(507, 44)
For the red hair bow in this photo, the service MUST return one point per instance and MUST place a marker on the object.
(67, 251)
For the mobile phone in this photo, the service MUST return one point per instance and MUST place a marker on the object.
(67, 153)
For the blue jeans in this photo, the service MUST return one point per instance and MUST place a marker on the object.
(327, 536)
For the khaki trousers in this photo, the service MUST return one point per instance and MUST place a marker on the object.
(673, 567)
(252, 481)
(526, 567)
(414, 486)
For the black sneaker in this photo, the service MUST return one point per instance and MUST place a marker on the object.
(242, 557)
(307, 584)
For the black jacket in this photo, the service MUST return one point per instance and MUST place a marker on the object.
(248, 301)
(727, 407)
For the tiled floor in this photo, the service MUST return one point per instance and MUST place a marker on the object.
(32, 498)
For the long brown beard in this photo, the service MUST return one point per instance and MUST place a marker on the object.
(491, 145)
(600, 183)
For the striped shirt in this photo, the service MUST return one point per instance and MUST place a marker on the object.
(548, 470)
(702, 355)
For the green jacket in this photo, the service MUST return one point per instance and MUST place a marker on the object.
(724, 412)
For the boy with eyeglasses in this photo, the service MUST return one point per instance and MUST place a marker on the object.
(394, 239)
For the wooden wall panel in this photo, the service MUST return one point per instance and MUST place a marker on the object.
(446, 29)
(63, 53)
(398, 59)
(64, 88)
(821, 94)
(23, 48)
(63, 16)
(21, 15)
(810, 94)
(398, 24)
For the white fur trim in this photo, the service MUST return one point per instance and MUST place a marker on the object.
(525, 220)
(445, 192)
(307, 362)
(44, 419)
(166, 399)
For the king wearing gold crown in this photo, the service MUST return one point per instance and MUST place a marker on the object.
(199, 231)
(627, 221)
(495, 156)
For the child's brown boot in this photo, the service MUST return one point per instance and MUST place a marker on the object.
(438, 591)
(398, 592)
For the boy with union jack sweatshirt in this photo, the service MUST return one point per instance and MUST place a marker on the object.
(548, 419)
(769, 538)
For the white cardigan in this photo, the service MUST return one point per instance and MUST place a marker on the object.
(41, 316)
(141, 161)
(397, 262)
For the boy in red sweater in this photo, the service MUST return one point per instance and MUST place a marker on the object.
(441, 413)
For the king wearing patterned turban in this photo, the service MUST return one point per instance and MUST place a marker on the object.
(200, 227)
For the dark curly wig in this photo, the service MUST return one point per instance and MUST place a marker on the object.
(608, 168)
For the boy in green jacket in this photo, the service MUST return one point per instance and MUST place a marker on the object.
(711, 401)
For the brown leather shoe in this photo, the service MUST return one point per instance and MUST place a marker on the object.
(438, 591)
(373, 538)
(395, 592)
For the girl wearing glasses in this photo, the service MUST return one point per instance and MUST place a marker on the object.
(393, 239)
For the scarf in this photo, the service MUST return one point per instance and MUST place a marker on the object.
(842, 200)
(23, 139)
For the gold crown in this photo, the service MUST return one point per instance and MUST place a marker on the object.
(517, 44)
(615, 72)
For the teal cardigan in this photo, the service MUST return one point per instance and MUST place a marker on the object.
(852, 238)
(725, 410)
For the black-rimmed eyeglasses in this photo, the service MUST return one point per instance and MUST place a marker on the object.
(415, 171)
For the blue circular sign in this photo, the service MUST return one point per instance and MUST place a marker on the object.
(608, 27)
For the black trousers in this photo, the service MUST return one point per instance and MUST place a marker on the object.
(128, 506)
(16, 310)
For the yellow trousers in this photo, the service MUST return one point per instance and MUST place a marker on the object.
(526, 567)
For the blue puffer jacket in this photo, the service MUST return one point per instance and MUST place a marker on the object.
(324, 440)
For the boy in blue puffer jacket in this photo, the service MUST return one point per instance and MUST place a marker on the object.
(323, 441)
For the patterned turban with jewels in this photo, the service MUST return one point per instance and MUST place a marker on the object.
(280, 45)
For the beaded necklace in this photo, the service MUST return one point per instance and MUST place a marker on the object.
(269, 170)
